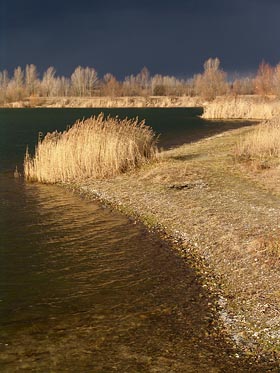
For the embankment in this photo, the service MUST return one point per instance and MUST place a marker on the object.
(109, 102)
(242, 107)
(219, 217)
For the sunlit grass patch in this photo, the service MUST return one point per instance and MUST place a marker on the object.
(261, 147)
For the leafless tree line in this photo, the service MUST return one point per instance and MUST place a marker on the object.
(84, 82)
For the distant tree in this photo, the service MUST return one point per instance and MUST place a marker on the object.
(19, 77)
(188, 87)
(78, 81)
(15, 88)
(143, 81)
(167, 85)
(213, 80)
(84, 81)
(91, 81)
(276, 80)
(159, 90)
(244, 86)
(157, 86)
(4, 82)
(4, 79)
(49, 84)
(63, 86)
(110, 86)
(130, 86)
(31, 79)
(264, 79)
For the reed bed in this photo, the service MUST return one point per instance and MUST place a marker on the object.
(97, 148)
(262, 145)
(241, 107)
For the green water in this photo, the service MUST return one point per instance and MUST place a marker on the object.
(84, 289)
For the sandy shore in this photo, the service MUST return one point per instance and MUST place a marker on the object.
(218, 216)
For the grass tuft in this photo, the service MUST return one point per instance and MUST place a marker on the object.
(261, 146)
(97, 148)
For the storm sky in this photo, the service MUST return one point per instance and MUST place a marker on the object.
(171, 37)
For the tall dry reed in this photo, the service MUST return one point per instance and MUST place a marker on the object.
(262, 145)
(97, 147)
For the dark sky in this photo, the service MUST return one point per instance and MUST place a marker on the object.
(170, 37)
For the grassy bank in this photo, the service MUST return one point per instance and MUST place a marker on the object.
(221, 217)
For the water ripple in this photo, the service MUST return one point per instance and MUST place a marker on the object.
(79, 295)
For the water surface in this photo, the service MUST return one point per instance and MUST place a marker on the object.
(84, 289)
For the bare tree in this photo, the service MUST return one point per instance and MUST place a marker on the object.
(264, 79)
(143, 81)
(110, 86)
(4, 81)
(130, 86)
(15, 88)
(49, 84)
(31, 79)
(91, 81)
(19, 77)
(244, 86)
(213, 80)
(276, 80)
(63, 86)
(84, 81)
(77, 81)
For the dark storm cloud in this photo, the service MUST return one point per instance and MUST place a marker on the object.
(172, 37)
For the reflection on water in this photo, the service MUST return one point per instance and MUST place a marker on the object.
(84, 290)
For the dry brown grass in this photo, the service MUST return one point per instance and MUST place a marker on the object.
(261, 146)
(242, 107)
(97, 148)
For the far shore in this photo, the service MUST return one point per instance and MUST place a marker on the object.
(109, 102)
(223, 107)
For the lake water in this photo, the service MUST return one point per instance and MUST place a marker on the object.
(83, 288)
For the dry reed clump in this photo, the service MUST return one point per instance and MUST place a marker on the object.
(241, 107)
(97, 147)
(262, 145)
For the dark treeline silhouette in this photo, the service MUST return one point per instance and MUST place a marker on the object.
(84, 82)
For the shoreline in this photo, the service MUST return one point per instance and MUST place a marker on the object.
(108, 102)
(193, 197)
(223, 107)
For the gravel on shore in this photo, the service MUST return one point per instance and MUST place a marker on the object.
(215, 213)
